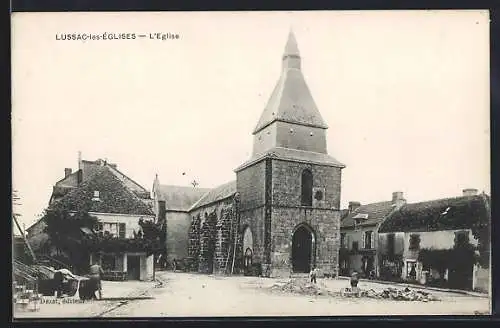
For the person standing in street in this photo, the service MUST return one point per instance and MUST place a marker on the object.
(58, 284)
(96, 273)
(354, 280)
(313, 274)
(174, 265)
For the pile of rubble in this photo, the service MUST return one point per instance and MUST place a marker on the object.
(405, 294)
(300, 286)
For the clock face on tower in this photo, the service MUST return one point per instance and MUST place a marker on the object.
(318, 195)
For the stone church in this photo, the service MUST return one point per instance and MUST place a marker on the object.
(282, 213)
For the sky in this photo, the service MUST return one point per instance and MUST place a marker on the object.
(405, 95)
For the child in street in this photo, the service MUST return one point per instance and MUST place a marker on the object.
(313, 274)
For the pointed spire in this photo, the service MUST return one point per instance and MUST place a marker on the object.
(291, 100)
(291, 48)
(291, 56)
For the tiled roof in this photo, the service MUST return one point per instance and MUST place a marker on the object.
(180, 198)
(344, 214)
(291, 100)
(130, 183)
(114, 196)
(441, 214)
(221, 192)
(295, 155)
(369, 214)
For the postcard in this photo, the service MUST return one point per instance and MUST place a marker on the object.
(201, 164)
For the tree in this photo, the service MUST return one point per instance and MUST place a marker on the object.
(155, 234)
(64, 229)
(482, 232)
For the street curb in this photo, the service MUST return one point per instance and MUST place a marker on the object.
(456, 291)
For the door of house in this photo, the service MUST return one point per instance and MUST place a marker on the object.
(133, 267)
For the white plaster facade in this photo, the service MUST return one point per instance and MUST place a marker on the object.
(145, 266)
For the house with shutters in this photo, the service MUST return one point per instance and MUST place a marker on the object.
(442, 242)
(118, 202)
(359, 235)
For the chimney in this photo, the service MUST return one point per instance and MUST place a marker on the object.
(79, 160)
(67, 172)
(353, 206)
(469, 192)
(398, 198)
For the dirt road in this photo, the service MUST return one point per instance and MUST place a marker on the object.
(202, 295)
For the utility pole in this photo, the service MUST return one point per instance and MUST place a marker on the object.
(24, 237)
(14, 216)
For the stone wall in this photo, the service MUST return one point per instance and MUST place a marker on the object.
(207, 243)
(194, 241)
(250, 183)
(323, 217)
(325, 225)
(286, 184)
(225, 233)
(209, 236)
(178, 225)
(254, 219)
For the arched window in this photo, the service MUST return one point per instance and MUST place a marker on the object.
(307, 186)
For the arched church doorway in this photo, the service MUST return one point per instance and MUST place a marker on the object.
(302, 249)
(248, 250)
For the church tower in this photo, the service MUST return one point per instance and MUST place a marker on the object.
(290, 187)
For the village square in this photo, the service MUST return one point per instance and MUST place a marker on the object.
(274, 241)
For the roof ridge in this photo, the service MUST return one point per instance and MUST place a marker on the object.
(126, 176)
(443, 199)
(196, 204)
(374, 203)
(93, 175)
(179, 186)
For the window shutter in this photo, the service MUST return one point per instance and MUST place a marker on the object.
(121, 230)
(373, 240)
(348, 242)
(363, 240)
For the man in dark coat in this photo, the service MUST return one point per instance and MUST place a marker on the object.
(96, 273)
(58, 283)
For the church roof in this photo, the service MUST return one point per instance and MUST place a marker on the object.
(437, 215)
(294, 155)
(291, 100)
(180, 198)
(216, 194)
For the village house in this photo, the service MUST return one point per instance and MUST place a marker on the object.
(434, 242)
(118, 202)
(359, 235)
(281, 215)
